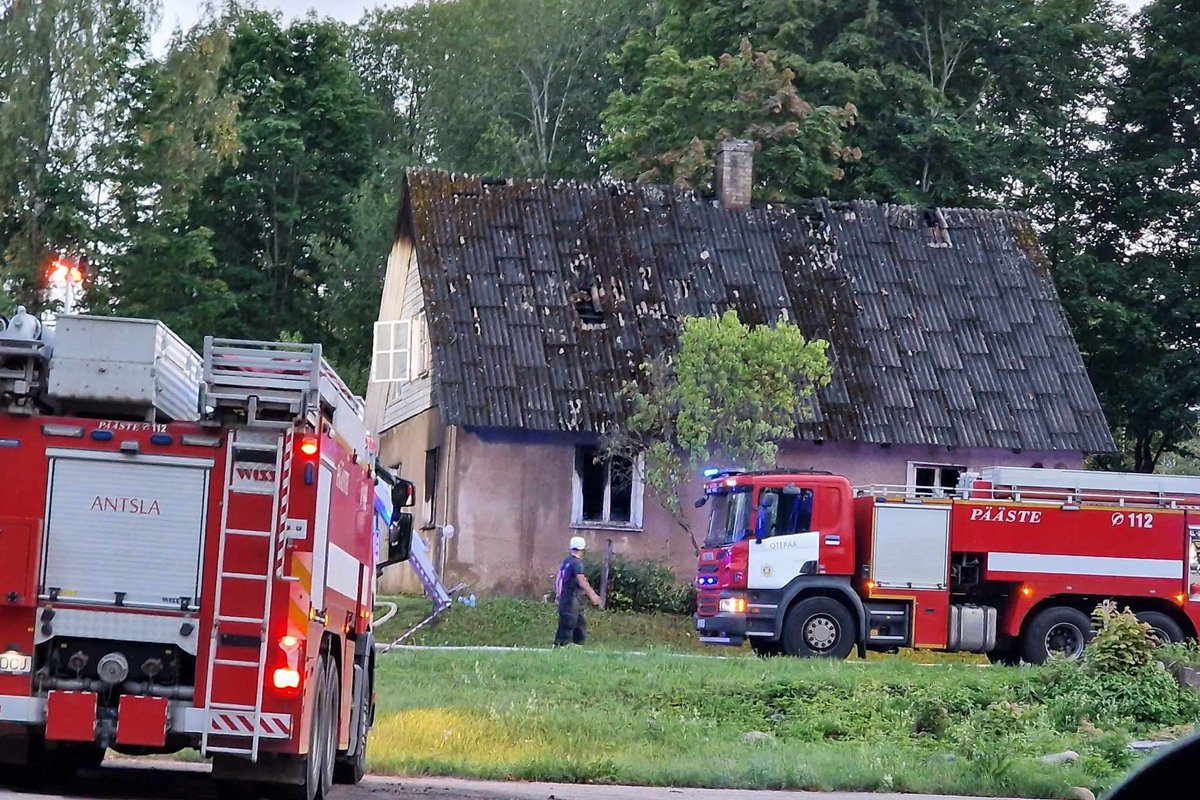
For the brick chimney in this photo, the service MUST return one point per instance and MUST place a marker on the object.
(735, 173)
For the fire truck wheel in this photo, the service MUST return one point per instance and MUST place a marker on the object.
(351, 769)
(1005, 658)
(1162, 627)
(766, 649)
(333, 706)
(818, 626)
(1057, 630)
(318, 735)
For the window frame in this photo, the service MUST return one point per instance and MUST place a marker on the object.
(399, 331)
(636, 499)
(938, 491)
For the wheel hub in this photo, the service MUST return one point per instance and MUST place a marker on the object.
(821, 633)
(1065, 639)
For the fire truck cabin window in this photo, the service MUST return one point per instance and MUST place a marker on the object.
(730, 516)
(782, 512)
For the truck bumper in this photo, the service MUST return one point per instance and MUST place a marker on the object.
(726, 629)
(179, 717)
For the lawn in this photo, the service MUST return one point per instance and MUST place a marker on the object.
(597, 714)
(524, 623)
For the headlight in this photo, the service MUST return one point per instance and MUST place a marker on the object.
(733, 605)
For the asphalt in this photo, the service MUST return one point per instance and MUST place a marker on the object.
(166, 780)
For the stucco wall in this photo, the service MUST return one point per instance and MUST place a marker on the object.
(513, 495)
(406, 445)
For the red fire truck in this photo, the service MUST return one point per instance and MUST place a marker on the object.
(1010, 563)
(189, 554)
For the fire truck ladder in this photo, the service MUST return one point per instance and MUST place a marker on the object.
(249, 610)
(265, 383)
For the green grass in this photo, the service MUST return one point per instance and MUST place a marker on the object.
(583, 716)
(597, 714)
(525, 623)
(522, 623)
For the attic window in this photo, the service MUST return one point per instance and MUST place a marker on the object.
(588, 306)
(936, 227)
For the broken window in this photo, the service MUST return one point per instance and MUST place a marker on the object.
(588, 306)
(936, 227)
(607, 491)
(431, 479)
(934, 480)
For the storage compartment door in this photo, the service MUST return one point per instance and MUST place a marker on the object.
(133, 526)
(912, 546)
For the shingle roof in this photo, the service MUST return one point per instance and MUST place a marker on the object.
(965, 346)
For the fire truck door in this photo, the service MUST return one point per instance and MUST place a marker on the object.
(911, 546)
(321, 537)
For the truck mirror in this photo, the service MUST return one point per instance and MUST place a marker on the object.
(399, 540)
(402, 494)
(700, 503)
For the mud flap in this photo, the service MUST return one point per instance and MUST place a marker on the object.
(71, 716)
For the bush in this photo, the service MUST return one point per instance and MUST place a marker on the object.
(642, 586)
(1147, 695)
(1121, 644)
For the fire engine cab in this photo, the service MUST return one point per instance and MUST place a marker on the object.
(1010, 563)
(189, 554)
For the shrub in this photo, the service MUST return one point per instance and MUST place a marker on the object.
(1122, 644)
(1148, 695)
(642, 586)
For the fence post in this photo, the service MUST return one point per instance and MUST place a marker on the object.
(608, 553)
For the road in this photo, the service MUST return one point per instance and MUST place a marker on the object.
(125, 780)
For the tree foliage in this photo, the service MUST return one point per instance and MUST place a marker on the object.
(730, 391)
(1134, 291)
(669, 129)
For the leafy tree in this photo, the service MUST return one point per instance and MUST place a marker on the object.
(1134, 296)
(177, 128)
(669, 129)
(304, 147)
(954, 97)
(497, 87)
(730, 391)
(61, 63)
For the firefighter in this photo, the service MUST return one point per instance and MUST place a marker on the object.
(572, 627)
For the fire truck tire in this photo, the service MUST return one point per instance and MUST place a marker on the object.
(350, 770)
(333, 704)
(321, 733)
(1005, 658)
(819, 626)
(1058, 629)
(766, 648)
(1162, 627)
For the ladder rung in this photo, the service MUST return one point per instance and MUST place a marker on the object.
(247, 532)
(258, 447)
(247, 620)
(236, 751)
(232, 662)
(243, 576)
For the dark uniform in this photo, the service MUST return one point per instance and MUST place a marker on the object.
(572, 627)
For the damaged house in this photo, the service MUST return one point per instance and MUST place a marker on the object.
(514, 311)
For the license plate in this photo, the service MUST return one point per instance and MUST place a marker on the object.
(15, 663)
(700, 624)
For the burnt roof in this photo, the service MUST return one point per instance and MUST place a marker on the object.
(962, 346)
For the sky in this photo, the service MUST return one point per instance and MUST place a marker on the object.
(184, 13)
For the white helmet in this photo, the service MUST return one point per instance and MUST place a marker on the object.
(578, 543)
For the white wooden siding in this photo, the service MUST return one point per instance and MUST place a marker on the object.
(390, 404)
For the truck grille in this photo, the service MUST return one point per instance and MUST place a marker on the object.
(707, 602)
